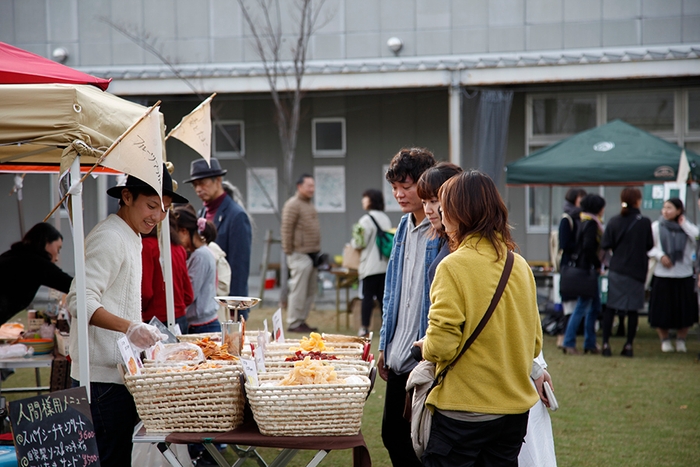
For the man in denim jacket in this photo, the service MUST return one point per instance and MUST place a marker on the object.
(406, 299)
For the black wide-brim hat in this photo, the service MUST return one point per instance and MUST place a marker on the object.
(199, 169)
(133, 182)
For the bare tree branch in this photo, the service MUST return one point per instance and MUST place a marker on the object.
(144, 40)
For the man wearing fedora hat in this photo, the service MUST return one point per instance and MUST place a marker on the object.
(234, 234)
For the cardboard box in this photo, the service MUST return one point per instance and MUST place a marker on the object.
(62, 342)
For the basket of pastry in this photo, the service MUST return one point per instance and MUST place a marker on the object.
(310, 399)
(314, 344)
(181, 391)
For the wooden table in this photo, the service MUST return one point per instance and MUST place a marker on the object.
(249, 435)
(344, 279)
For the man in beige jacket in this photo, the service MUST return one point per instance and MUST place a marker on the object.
(301, 242)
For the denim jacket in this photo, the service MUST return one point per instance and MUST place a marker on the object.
(394, 275)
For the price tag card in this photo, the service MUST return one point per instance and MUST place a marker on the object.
(130, 360)
(251, 373)
(277, 327)
(260, 353)
(267, 332)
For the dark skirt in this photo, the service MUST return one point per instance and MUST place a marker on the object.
(624, 292)
(673, 303)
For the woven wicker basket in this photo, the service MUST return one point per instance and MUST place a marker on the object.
(342, 367)
(188, 401)
(279, 351)
(308, 410)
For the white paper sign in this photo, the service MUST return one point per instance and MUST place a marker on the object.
(260, 353)
(130, 360)
(251, 373)
(277, 325)
(267, 332)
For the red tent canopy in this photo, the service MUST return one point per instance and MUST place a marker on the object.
(18, 66)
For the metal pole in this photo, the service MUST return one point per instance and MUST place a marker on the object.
(80, 286)
(166, 256)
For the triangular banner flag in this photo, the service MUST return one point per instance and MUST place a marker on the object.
(195, 129)
(683, 169)
(140, 152)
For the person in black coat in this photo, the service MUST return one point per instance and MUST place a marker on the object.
(629, 237)
(587, 257)
(29, 264)
(568, 225)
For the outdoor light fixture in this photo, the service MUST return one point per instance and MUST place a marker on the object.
(395, 44)
(60, 54)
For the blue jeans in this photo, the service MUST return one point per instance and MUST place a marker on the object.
(114, 417)
(588, 307)
(214, 326)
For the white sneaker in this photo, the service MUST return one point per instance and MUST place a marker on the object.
(680, 346)
(666, 345)
(363, 332)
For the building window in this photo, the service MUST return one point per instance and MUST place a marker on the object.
(563, 115)
(650, 111)
(694, 111)
(229, 139)
(328, 137)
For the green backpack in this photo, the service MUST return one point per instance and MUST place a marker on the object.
(384, 239)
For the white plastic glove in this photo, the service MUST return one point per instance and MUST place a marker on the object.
(143, 336)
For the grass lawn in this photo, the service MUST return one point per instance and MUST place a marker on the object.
(643, 411)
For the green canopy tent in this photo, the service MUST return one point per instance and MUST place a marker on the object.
(616, 153)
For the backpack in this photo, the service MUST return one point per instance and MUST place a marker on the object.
(384, 240)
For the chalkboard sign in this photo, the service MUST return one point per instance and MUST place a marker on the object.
(54, 430)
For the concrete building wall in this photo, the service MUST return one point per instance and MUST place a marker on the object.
(214, 31)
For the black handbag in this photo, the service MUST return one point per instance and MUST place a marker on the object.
(578, 282)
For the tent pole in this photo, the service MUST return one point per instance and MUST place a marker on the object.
(80, 286)
(551, 219)
(165, 254)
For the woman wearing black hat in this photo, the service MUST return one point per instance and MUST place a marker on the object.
(113, 302)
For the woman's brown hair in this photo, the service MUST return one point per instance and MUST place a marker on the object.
(472, 203)
(629, 197)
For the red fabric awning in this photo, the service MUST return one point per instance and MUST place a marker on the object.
(18, 66)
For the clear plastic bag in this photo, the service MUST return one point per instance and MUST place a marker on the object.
(180, 352)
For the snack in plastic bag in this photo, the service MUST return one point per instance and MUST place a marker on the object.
(183, 351)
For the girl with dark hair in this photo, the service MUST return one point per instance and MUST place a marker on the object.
(587, 255)
(628, 236)
(152, 283)
(428, 186)
(29, 264)
(481, 406)
(202, 313)
(673, 303)
(372, 270)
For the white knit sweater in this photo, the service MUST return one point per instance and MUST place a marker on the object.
(113, 281)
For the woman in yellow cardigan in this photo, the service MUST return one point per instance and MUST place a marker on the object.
(480, 410)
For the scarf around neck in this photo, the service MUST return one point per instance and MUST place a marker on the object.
(673, 239)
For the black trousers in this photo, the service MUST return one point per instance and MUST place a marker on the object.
(396, 430)
(372, 288)
(495, 443)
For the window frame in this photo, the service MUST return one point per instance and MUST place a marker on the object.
(329, 152)
(228, 155)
